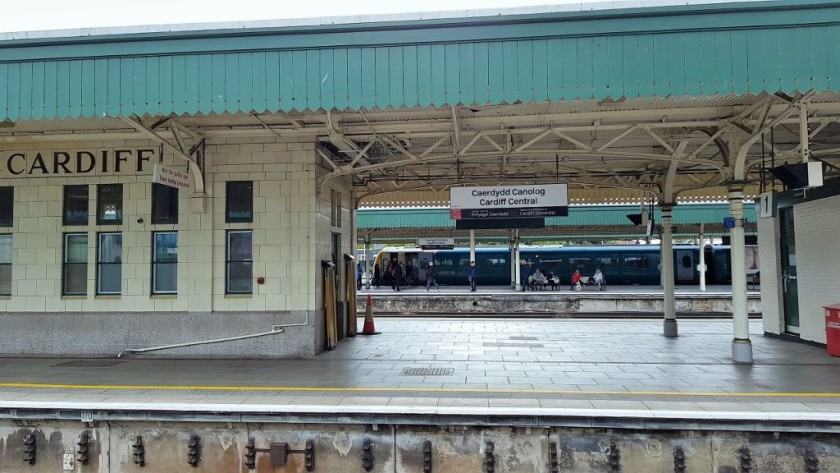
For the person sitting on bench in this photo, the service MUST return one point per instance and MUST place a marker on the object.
(553, 280)
(599, 280)
(575, 280)
(539, 279)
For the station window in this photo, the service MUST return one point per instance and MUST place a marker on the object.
(75, 205)
(164, 204)
(164, 262)
(7, 205)
(239, 262)
(109, 264)
(5, 265)
(239, 204)
(74, 270)
(109, 204)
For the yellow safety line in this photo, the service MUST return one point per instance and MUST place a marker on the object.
(157, 387)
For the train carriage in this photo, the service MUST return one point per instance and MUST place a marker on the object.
(622, 265)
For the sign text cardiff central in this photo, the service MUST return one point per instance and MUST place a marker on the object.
(534, 201)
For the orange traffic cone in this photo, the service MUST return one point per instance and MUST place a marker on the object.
(368, 328)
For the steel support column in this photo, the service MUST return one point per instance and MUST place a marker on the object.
(741, 345)
(368, 275)
(701, 265)
(670, 323)
(518, 263)
(472, 246)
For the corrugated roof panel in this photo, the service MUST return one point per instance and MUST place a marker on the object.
(651, 53)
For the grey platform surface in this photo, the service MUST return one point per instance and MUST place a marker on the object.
(518, 366)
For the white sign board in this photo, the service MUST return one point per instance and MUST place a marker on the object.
(436, 243)
(528, 201)
(171, 177)
(766, 206)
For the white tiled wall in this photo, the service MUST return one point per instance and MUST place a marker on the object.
(769, 254)
(817, 226)
(291, 233)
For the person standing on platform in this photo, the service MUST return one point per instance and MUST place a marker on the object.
(472, 276)
(431, 275)
(524, 272)
(377, 274)
(397, 280)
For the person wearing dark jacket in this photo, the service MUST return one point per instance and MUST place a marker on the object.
(398, 273)
(472, 276)
(524, 272)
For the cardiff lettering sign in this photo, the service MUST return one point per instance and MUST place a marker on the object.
(505, 202)
(77, 162)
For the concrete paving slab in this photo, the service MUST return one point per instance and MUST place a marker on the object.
(622, 365)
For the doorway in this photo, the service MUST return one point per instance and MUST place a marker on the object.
(684, 260)
(789, 278)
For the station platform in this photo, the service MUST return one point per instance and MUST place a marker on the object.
(637, 301)
(610, 373)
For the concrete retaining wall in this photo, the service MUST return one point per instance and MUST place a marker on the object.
(550, 303)
(400, 448)
(106, 334)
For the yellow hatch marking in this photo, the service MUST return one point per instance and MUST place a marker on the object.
(399, 389)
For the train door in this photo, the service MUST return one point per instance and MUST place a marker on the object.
(789, 287)
(684, 262)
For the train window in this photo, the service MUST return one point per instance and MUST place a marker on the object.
(686, 261)
(606, 261)
(579, 262)
(636, 261)
(496, 262)
(443, 262)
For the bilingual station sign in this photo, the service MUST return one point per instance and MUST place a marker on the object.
(504, 202)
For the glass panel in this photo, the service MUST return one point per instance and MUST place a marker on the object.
(110, 278)
(75, 205)
(239, 277)
(75, 264)
(5, 249)
(166, 247)
(239, 267)
(110, 203)
(240, 201)
(239, 246)
(75, 278)
(109, 275)
(75, 248)
(5, 279)
(164, 204)
(110, 247)
(7, 204)
(165, 276)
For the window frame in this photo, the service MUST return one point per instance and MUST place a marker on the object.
(71, 223)
(7, 202)
(172, 195)
(156, 263)
(65, 263)
(100, 264)
(100, 204)
(229, 198)
(228, 262)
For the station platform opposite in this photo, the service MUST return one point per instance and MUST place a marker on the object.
(716, 301)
